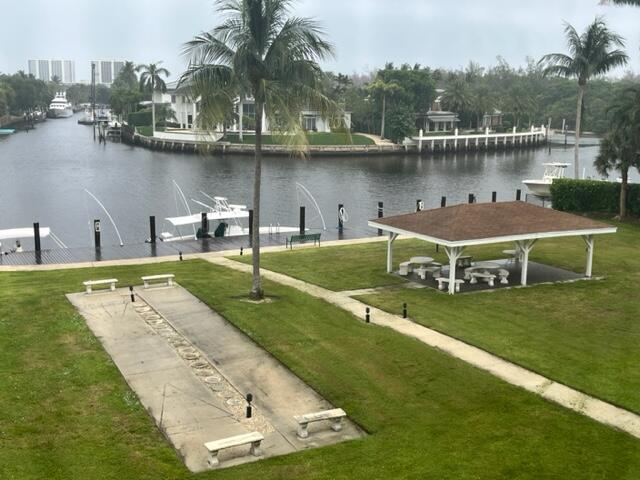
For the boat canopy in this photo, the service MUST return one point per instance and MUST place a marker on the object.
(197, 217)
(23, 233)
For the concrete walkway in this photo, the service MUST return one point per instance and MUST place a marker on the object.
(568, 397)
(191, 370)
(376, 139)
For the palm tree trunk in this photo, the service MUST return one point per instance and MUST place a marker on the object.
(623, 193)
(384, 112)
(256, 287)
(153, 108)
(240, 115)
(576, 150)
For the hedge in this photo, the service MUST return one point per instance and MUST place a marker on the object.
(139, 119)
(593, 196)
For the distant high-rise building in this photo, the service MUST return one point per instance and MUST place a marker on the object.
(64, 70)
(107, 70)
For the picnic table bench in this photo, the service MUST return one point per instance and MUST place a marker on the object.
(253, 438)
(89, 284)
(307, 237)
(336, 415)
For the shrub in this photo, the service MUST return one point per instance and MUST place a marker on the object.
(139, 119)
(593, 196)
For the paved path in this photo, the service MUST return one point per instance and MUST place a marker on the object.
(191, 370)
(594, 408)
(377, 139)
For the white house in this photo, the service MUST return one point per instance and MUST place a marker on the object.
(185, 110)
(438, 120)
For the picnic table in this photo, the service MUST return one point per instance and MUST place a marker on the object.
(420, 260)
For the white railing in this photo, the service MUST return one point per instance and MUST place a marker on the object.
(534, 133)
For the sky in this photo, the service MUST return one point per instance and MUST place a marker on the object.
(366, 33)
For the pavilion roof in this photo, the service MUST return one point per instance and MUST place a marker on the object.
(481, 223)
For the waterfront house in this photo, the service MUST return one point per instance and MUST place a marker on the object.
(492, 120)
(185, 110)
(310, 120)
(436, 119)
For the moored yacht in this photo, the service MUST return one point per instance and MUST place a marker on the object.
(542, 187)
(60, 107)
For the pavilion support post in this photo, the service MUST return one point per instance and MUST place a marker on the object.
(454, 254)
(390, 240)
(525, 247)
(589, 241)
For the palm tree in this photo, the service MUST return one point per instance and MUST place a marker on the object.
(482, 101)
(620, 149)
(519, 102)
(591, 54)
(457, 97)
(258, 46)
(381, 88)
(635, 3)
(151, 80)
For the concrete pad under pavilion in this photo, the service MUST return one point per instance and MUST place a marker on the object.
(459, 227)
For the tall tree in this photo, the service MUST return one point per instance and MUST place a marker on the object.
(383, 90)
(457, 96)
(151, 80)
(591, 53)
(620, 148)
(276, 55)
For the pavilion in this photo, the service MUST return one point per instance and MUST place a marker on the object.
(460, 226)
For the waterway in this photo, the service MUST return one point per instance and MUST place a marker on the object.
(43, 175)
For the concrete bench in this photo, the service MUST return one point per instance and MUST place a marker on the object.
(405, 269)
(167, 279)
(434, 270)
(442, 281)
(253, 438)
(336, 415)
(89, 284)
(487, 277)
(464, 261)
(503, 275)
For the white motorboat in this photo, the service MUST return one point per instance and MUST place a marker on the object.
(19, 233)
(542, 187)
(223, 219)
(60, 107)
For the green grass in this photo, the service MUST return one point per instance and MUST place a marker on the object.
(65, 412)
(313, 138)
(145, 130)
(584, 334)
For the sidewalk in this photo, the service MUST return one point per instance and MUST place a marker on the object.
(563, 395)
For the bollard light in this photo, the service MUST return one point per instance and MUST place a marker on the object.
(133, 298)
(367, 316)
(241, 250)
(180, 253)
(249, 407)
(404, 310)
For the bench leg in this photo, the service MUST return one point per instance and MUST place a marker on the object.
(170, 282)
(457, 287)
(146, 284)
(213, 459)
(113, 287)
(504, 281)
(255, 450)
(302, 430)
(337, 425)
(88, 289)
(491, 282)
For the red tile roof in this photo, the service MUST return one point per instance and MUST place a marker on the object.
(475, 221)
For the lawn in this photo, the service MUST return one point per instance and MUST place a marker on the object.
(65, 412)
(583, 334)
(313, 138)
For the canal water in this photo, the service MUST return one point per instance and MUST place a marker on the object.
(43, 175)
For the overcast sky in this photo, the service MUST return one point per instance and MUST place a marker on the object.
(366, 33)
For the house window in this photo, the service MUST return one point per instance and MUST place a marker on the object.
(249, 110)
(309, 123)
